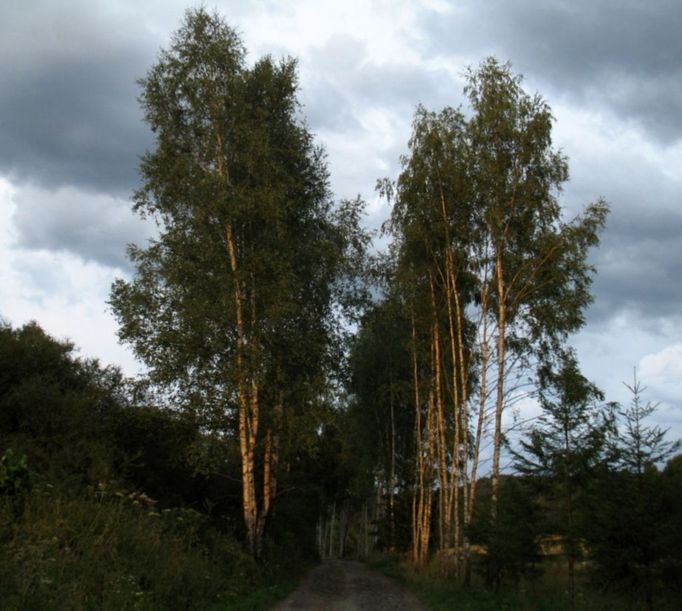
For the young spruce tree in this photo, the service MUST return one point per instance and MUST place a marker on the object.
(562, 452)
(630, 526)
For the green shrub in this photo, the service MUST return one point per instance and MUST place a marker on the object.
(14, 474)
(87, 553)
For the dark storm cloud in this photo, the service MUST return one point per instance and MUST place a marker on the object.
(639, 258)
(638, 267)
(625, 54)
(69, 115)
(73, 123)
(93, 227)
(68, 109)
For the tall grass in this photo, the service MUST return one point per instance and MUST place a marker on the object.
(88, 552)
(546, 593)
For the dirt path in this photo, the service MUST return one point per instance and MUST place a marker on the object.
(341, 585)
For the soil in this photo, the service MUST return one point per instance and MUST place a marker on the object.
(342, 585)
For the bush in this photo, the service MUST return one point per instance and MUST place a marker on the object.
(14, 475)
(87, 553)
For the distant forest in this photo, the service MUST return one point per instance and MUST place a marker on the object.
(306, 397)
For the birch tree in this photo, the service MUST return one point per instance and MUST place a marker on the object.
(231, 306)
(500, 278)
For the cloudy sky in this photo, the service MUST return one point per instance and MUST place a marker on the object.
(71, 135)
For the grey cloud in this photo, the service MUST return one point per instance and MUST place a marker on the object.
(639, 260)
(327, 106)
(68, 109)
(93, 227)
(340, 82)
(72, 124)
(640, 255)
(405, 87)
(626, 55)
(326, 93)
(640, 271)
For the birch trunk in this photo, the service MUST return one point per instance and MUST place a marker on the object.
(271, 463)
(391, 477)
(421, 502)
(439, 428)
(499, 395)
(248, 405)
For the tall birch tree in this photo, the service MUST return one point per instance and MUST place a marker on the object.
(536, 277)
(498, 277)
(231, 305)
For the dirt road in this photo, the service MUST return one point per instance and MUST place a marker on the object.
(342, 585)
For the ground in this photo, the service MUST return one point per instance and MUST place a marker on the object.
(342, 585)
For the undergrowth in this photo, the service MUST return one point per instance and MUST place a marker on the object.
(439, 593)
(93, 551)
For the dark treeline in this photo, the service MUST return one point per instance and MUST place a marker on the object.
(265, 434)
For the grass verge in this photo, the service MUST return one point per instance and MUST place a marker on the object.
(441, 594)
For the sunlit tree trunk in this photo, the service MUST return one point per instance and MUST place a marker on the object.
(248, 406)
(423, 490)
(459, 396)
